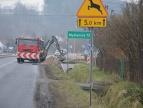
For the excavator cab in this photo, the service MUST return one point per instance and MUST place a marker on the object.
(42, 46)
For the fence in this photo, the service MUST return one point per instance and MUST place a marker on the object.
(112, 65)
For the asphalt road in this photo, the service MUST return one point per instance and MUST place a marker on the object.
(17, 82)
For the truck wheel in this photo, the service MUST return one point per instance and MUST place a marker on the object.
(42, 59)
(22, 60)
(35, 60)
(18, 60)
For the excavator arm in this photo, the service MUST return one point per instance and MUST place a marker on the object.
(50, 42)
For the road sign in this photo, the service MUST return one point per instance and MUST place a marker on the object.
(79, 35)
(91, 22)
(92, 8)
(88, 45)
(70, 47)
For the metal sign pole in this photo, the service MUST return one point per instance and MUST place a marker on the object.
(89, 22)
(67, 55)
(91, 63)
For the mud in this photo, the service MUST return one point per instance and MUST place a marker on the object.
(43, 97)
(46, 95)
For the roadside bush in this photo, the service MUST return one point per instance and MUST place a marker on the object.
(123, 94)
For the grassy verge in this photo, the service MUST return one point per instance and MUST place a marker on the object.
(81, 74)
(66, 91)
(71, 96)
(121, 94)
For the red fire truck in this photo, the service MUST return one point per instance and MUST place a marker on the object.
(34, 49)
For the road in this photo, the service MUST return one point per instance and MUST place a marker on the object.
(17, 82)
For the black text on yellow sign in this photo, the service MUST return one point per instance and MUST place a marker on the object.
(91, 22)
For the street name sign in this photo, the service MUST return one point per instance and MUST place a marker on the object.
(79, 35)
(92, 8)
(91, 22)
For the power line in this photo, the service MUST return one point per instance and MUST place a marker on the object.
(39, 17)
(38, 14)
(112, 2)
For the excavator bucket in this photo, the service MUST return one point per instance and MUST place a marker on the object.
(62, 58)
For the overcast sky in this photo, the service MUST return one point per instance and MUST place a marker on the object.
(35, 3)
(64, 18)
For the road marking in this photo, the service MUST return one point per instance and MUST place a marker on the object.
(3, 65)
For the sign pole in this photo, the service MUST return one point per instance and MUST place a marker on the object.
(89, 18)
(67, 55)
(91, 63)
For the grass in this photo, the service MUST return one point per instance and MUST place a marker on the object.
(67, 88)
(73, 94)
(121, 94)
(81, 73)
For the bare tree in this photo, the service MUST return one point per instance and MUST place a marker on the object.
(125, 34)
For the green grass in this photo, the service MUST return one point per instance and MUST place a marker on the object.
(81, 73)
(121, 94)
(74, 94)
(55, 71)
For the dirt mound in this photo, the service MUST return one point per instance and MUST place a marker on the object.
(51, 60)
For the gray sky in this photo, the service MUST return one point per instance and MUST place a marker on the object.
(61, 14)
(35, 3)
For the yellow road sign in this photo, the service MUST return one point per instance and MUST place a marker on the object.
(92, 8)
(91, 22)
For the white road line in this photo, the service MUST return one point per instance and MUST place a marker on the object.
(3, 65)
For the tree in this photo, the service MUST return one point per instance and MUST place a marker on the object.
(124, 34)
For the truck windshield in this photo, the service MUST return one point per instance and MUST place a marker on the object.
(28, 42)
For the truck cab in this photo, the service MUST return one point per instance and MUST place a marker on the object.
(28, 48)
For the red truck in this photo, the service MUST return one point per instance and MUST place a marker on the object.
(34, 49)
